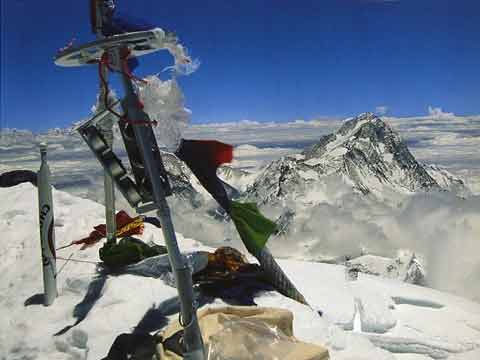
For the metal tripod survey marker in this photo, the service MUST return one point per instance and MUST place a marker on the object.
(150, 186)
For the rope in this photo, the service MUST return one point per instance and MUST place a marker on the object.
(104, 61)
(126, 71)
(63, 266)
(64, 247)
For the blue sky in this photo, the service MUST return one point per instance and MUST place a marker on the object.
(263, 60)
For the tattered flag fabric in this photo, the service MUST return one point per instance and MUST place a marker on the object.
(113, 23)
(120, 24)
(277, 277)
(126, 226)
(203, 157)
(254, 228)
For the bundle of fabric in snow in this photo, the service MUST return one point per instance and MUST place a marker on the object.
(225, 274)
(226, 264)
(128, 250)
(232, 332)
(230, 277)
(159, 266)
(242, 333)
(225, 267)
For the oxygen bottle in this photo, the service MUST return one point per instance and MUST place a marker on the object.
(47, 231)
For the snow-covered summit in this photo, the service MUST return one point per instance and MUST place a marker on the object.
(366, 152)
(366, 148)
(397, 321)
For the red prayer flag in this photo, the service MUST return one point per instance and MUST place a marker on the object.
(126, 225)
(203, 157)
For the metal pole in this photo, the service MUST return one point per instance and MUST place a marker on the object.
(47, 231)
(106, 128)
(183, 278)
(110, 208)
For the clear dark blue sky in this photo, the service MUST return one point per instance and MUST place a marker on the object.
(261, 59)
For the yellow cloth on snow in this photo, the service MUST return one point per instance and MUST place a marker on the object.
(247, 333)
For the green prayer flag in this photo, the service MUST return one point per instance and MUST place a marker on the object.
(253, 227)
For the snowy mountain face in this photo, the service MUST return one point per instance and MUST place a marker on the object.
(186, 187)
(346, 195)
(238, 178)
(366, 153)
(181, 180)
(447, 181)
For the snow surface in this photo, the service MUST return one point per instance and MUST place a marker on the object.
(398, 320)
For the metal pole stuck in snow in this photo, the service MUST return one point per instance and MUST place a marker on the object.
(106, 129)
(47, 231)
(144, 135)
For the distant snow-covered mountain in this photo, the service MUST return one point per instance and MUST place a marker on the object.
(407, 267)
(366, 153)
(184, 184)
(186, 187)
(238, 178)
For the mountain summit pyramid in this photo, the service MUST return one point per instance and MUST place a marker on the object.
(366, 152)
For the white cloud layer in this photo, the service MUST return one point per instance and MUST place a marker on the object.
(438, 113)
(381, 110)
(440, 228)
